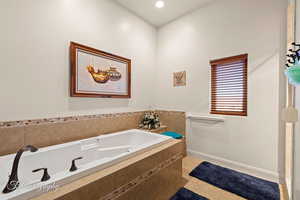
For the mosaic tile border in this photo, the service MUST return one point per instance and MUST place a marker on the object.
(169, 112)
(21, 123)
(142, 178)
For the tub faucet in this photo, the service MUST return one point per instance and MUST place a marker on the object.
(73, 167)
(13, 181)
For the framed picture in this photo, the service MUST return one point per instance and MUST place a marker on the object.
(95, 73)
(179, 79)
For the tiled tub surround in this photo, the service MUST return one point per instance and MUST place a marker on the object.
(46, 132)
(52, 131)
(153, 174)
(97, 153)
(176, 122)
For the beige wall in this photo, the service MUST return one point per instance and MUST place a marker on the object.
(34, 72)
(221, 29)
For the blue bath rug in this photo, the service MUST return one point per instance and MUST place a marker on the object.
(244, 185)
(185, 194)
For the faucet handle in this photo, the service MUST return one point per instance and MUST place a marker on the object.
(73, 167)
(46, 176)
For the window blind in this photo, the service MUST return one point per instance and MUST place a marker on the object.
(229, 85)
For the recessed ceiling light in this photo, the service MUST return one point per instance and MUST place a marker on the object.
(160, 4)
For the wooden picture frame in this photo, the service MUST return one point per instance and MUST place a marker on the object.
(95, 73)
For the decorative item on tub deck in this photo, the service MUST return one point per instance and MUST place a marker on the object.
(179, 78)
(95, 73)
(150, 121)
(173, 134)
(293, 65)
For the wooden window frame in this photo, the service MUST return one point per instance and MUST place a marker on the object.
(213, 101)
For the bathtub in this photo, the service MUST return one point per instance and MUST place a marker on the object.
(97, 152)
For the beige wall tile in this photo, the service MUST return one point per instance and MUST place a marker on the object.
(174, 120)
(11, 139)
(58, 133)
(43, 133)
(162, 186)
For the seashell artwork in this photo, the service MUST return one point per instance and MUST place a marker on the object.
(99, 76)
(95, 73)
(103, 76)
(179, 79)
(114, 75)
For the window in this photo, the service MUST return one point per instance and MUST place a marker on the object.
(229, 86)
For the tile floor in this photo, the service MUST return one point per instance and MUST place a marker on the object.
(209, 191)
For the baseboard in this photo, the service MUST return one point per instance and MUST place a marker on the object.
(254, 171)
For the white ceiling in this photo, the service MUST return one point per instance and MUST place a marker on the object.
(160, 16)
